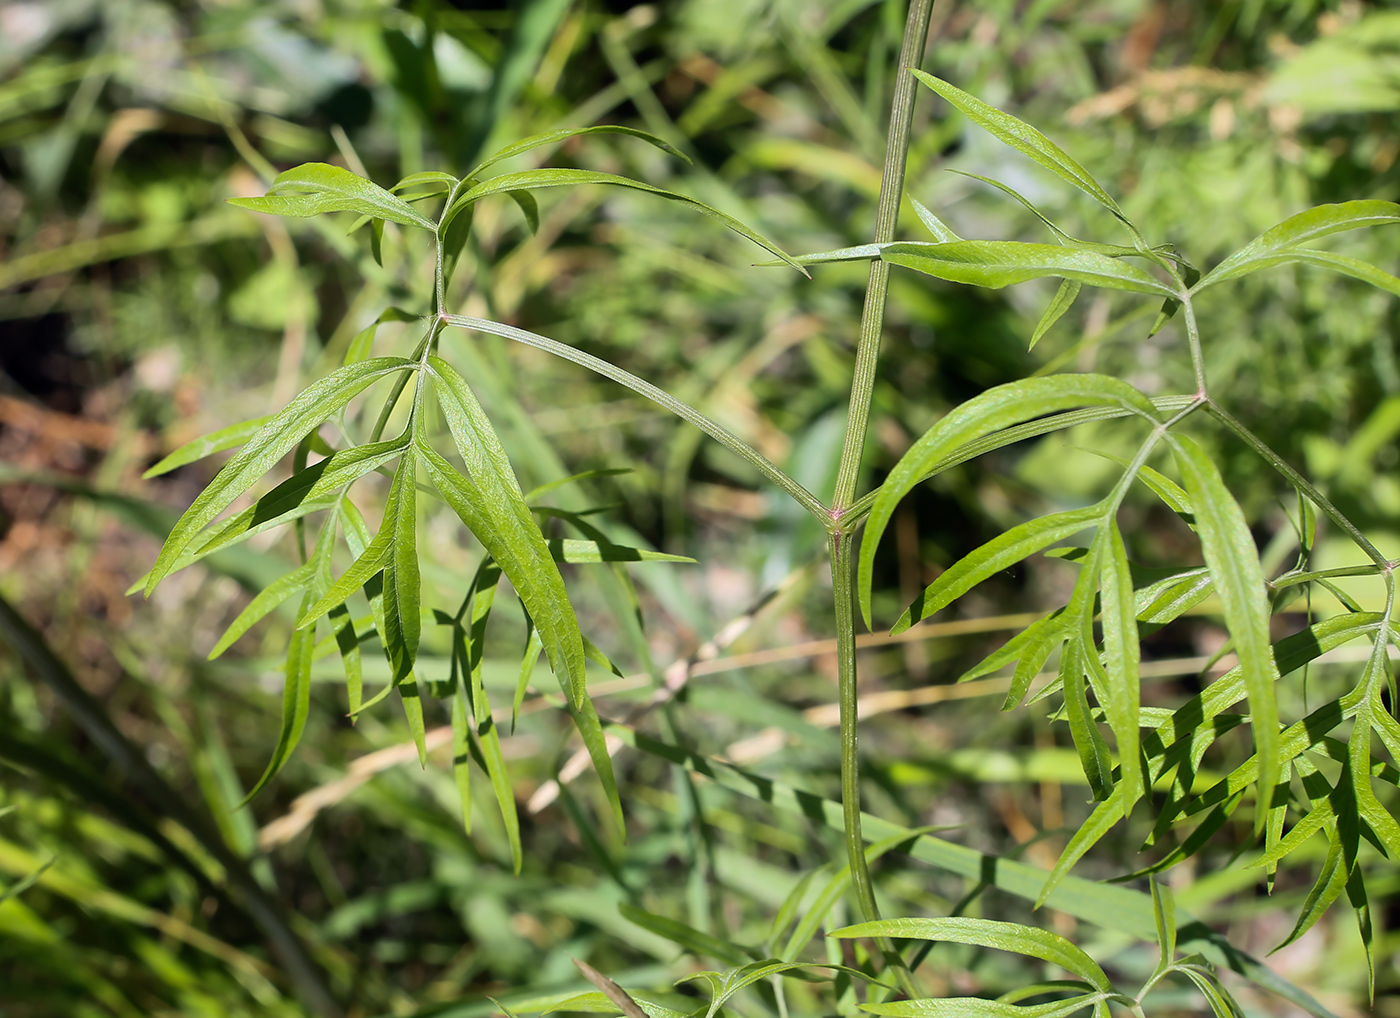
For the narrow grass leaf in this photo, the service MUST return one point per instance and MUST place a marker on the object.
(1239, 582)
(1309, 225)
(1059, 304)
(998, 263)
(314, 188)
(1023, 138)
(216, 441)
(273, 441)
(998, 554)
(688, 937)
(1004, 936)
(996, 409)
(530, 179)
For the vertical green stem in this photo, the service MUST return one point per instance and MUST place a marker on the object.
(862, 386)
(872, 318)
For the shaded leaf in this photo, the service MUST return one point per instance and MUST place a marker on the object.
(1059, 304)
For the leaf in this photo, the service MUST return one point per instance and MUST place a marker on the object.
(998, 263)
(314, 188)
(1309, 225)
(528, 179)
(996, 555)
(430, 181)
(545, 489)
(1023, 138)
(1164, 912)
(598, 1003)
(1222, 1005)
(980, 1007)
(313, 489)
(258, 608)
(612, 991)
(1059, 304)
(1354, 267)
(934, 225)
(1331, 880)
(1170, 598)
(1025, 940)
(583, 552)
(528, 207)
(590, 729)
(216, 441)
(1239, 583)
(363, 342)
(533, 648)
(403, 613)
(488, 736)
(296, 702)
(273, 441)
(1120, 700)
(563, 134)
(688, 937)
(494, 509)
(997, 408)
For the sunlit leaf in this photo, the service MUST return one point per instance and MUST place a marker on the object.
(263, 603)
(314, 188)
(1120, 700)
(1239, 582)
(216, 441)
(1025, 940)
(998, 263)
(1000, 407)
(273, 441)
(530, 179)
(934, 225)
(1023, 138)
(1306, 226)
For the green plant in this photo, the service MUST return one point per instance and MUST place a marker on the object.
(385, 566)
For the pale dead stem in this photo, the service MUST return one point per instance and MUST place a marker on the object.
(707, 661)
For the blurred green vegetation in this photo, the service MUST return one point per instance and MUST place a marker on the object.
(138, 311)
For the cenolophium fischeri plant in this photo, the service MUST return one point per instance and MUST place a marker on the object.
(1095, 633)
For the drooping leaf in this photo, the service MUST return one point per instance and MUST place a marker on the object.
(261, 605)
(530, 179)
(314, 188)
(1023, 138)
(1059, 304)
(1120, 699)
(1000, 407)
(1331, 881)
(1309, 225)
(998, 554)
(688, 937)
(216, 441)
(1239, 582)
(998, 263)
(565, 133)
(494, 509)
(1004, 936)
(274, 440)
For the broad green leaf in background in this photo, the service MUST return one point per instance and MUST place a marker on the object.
(1271, 247)
(998, 263)
(1239, 582)
(1023, 138)
(274, 440)
(997, 408)
(314, 188)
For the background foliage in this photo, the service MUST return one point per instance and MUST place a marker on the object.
(141, 311)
